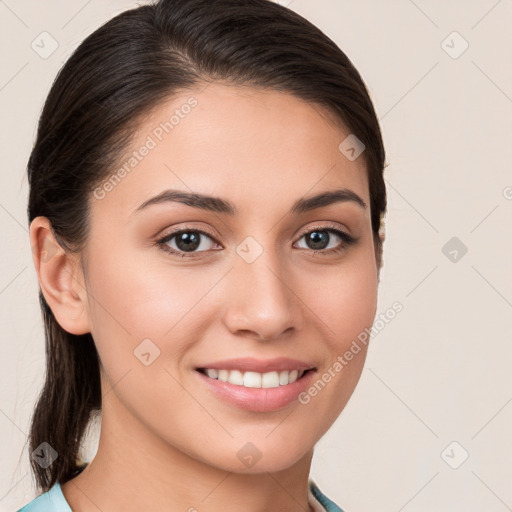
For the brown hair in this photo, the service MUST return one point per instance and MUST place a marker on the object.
(124, 69)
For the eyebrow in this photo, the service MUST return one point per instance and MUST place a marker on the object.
(219, 205)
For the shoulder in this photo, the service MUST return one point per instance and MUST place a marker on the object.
(327, 504)
(50, 501)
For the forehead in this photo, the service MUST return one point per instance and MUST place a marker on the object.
(239, 142)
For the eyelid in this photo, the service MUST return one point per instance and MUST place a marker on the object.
(177, 231)
(323, 225)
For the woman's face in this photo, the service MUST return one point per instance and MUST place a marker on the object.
(265, 281)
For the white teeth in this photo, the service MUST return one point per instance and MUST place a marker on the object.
(255, 379)
(251, 380)
(212, 373)
(236, 377)
(270, 380)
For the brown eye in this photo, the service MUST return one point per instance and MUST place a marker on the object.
(186, 242)
(318, 240)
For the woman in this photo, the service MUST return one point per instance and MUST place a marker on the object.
(206, 199)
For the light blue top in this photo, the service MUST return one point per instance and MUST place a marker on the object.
(54, 501)
(50, 501)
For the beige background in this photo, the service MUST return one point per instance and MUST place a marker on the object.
(440, 371)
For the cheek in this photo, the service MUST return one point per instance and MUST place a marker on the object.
(344, 302)
(350, 308)
(131, 302)
(141, 295)
(344, 299)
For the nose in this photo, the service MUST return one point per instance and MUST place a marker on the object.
(263, 302)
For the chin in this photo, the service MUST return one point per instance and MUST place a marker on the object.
(263, 457)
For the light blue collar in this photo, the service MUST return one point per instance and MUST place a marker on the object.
(54, 501)
(50, 501)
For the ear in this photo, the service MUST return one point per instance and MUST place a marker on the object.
(60, 278)
(379, 249)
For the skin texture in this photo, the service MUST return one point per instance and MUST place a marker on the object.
(167, 443)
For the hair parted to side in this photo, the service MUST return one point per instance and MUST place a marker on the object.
(119, 73)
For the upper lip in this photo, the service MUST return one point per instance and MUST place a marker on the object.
(249, 364)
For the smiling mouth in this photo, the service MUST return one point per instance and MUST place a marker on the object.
(249, 379)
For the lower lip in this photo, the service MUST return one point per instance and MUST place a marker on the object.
(258, 399)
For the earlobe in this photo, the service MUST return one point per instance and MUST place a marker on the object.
(60, 278)
(382, 232)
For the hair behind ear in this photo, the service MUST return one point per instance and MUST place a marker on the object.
(71, 393)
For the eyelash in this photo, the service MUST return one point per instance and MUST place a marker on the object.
(347, 240)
